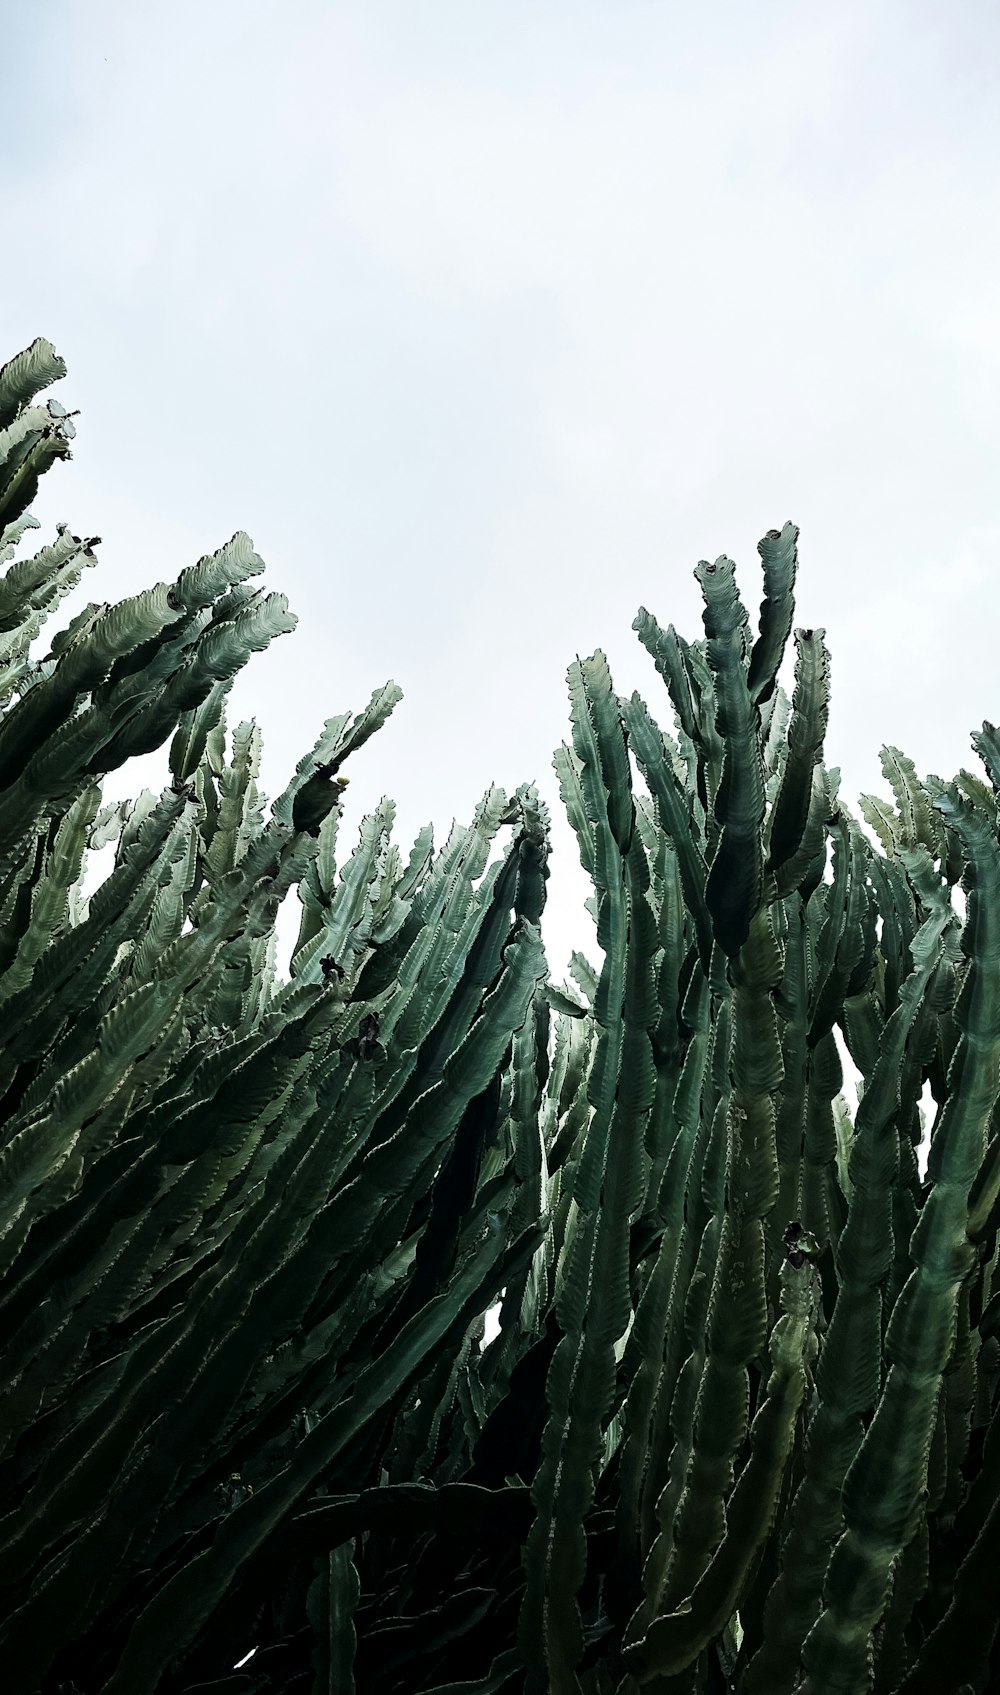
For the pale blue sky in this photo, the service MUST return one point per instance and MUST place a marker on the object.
(488, 320)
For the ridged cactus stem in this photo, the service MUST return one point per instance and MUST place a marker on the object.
(848, 1371)
(883, 1485)
(674, 1640)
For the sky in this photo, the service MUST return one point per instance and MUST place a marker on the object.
(488, 319)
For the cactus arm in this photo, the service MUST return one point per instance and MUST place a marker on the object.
(882, 1487)
(674, 1640)
(593, 1303)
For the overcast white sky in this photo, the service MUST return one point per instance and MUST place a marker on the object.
(488, 318)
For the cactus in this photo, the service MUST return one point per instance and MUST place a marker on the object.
(736, 1425)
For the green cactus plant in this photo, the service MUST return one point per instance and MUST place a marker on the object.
(734, 1423)
(204, 1176)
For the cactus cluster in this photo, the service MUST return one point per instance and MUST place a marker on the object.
(736, 1426)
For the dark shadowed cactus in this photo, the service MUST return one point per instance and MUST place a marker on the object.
(221, 1274)
(734, 1425)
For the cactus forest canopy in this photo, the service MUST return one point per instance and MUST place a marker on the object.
(738, 1426)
